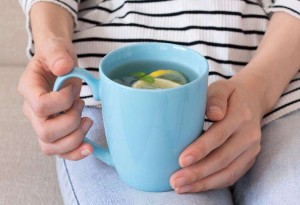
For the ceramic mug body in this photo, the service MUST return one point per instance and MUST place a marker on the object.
(147, 130)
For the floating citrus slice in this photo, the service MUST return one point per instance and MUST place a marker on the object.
(171, 75)
(159, 83)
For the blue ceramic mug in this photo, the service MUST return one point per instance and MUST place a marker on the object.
(146, 130)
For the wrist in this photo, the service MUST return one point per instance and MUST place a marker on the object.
(50, 21)
(275, 62)
(257, 86)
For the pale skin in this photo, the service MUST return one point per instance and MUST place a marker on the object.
(224, 153)
(52, 29)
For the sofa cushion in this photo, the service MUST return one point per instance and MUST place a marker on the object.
(26, 176)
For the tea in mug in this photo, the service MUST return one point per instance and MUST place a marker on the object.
(152, 75)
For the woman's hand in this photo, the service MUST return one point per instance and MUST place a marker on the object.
(57, 134)
(227, 150)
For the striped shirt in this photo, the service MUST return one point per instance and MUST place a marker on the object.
(226, 32)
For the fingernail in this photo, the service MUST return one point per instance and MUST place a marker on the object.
(85, 152)
(86, 125)
(179, 182)
(184, 189)
(214, 108)
(188, 160)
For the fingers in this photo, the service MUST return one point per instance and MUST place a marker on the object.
(50, 130)
(57, 134)
(217, 159)
(62, 134)
(55, 57)
(69, 142)
(217, 96)
(51, 103)
(80, 152)
(228, 148)
(226, 177)
(35, 87)
(237, 114)
(215, 136)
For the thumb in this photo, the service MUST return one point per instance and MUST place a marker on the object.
(217, 98)
(59, 56)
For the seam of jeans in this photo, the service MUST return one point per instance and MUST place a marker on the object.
(69, 178)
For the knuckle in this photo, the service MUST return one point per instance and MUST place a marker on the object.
(254, 136)
(216, 98)
(66, 101)
(73, 126)
(77, 124)
(48, 150)
(223, 158)
(34, 63)
(232, 178)
(43, 134)
(246, 114)
(220, 136)
(39, 108)
(203, 187)
(197, 174)
(71, 142)
(201, 150)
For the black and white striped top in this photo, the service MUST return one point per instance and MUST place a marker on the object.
(226, 32)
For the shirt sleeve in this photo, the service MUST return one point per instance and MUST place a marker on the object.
(70, 5)
(289, 6)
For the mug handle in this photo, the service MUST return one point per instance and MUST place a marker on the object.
(100, 152)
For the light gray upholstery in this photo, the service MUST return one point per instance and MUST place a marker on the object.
(27, 177)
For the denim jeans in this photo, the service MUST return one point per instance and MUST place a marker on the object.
(274, 179)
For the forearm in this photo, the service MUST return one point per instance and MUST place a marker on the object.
(276, 61)
(49, 20)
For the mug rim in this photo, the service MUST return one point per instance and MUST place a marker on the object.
(199, 77)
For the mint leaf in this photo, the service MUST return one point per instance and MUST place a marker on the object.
(147, 79)
(143, 76)
(137, 74)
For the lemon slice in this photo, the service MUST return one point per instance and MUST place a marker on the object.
(171, 75)
(159, 83)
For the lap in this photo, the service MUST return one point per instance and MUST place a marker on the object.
(274, 179)
(90, 181)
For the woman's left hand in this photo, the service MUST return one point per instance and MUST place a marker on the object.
(228, 149)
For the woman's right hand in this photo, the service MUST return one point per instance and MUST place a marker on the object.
(61, 134)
